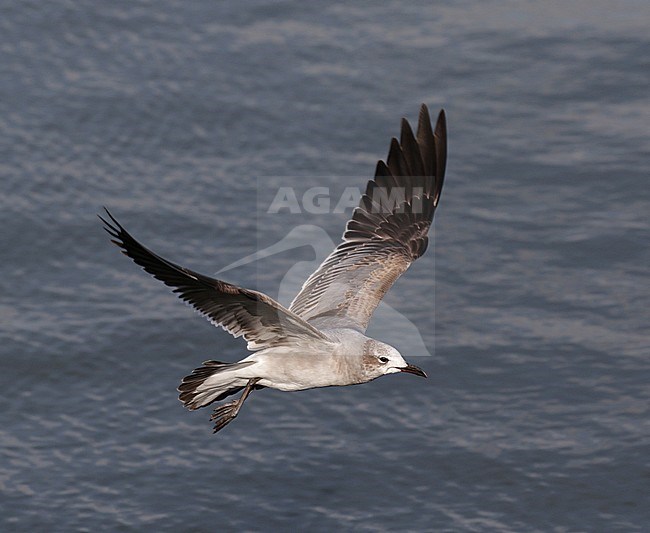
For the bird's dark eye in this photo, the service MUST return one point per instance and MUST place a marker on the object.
(383, 359)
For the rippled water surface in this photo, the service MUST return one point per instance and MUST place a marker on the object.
(181, 117)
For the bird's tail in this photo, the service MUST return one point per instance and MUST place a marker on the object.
(211, 382)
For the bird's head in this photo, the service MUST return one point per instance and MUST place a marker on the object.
(380, 359)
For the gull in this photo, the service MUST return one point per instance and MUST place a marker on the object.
(319, 341)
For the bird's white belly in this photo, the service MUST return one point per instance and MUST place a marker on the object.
(297, 372)
(295, 379)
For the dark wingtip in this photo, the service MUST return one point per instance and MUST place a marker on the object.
(108, 213)
(114, 229)
(424, 118)
(440, 136)
(441, 123)
(407, 139)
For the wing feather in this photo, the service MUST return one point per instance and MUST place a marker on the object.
(262, 321)
(387, 232)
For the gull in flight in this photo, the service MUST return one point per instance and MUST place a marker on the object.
(319, 340)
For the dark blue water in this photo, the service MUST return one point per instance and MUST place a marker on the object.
(179, 116)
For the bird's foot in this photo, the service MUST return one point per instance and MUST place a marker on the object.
(224, 414)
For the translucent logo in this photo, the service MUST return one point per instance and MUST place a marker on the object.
(387, 324)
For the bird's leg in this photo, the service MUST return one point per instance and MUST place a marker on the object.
(226, 413)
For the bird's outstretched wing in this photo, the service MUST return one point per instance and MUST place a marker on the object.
(262, 321)
(387, 232)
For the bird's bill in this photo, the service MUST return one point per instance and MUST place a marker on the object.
(412, 369)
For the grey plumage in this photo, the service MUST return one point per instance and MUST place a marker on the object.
(319, 341)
